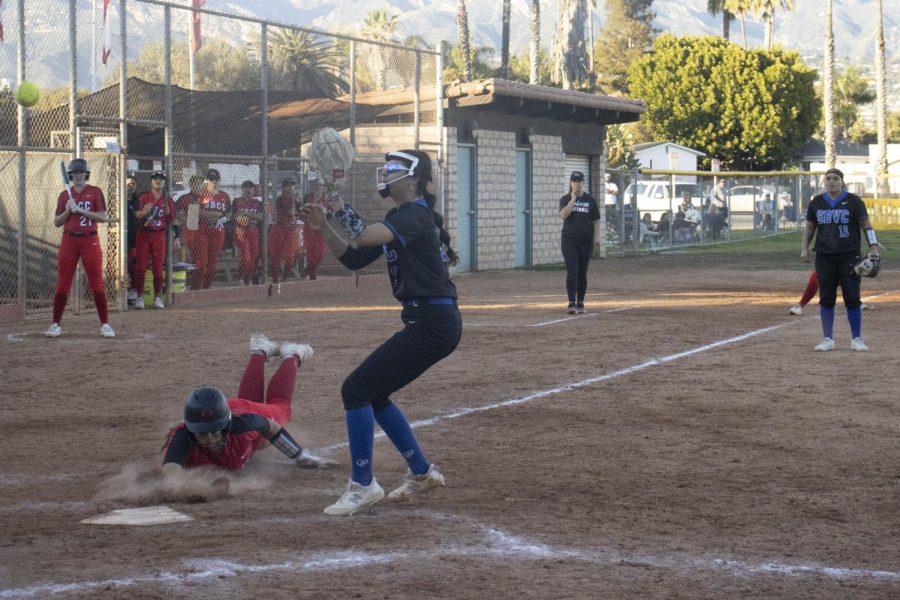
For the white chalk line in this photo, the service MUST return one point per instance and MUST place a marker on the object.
(494, 543)
(578, 384)
(555, 321)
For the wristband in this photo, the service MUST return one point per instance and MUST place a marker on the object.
(288, 445)
(870, 237)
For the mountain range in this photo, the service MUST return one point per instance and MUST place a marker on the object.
(433, 20)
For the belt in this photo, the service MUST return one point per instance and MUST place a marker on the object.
(429, 300)
(80, 233)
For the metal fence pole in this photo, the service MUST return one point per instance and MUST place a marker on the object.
(22, 267)
(264, 170)
(75, 142)
(167, 150)
(417, 76)
(123, 152)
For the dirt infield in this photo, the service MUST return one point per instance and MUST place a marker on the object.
(681, 440)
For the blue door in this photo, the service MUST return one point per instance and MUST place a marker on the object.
(523, 208)
(465, 207)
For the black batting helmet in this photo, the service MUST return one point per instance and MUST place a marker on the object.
(79, 165)
(206, 410)
(213, 175)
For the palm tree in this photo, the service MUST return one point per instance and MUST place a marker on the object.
(380, 25)
(303, 61)
(882, 184)
(504, 42)
(715, 7)
(534, 54)
(767, 7)
(828, 87)
(567, 52)
(741, 8)
(462, 30)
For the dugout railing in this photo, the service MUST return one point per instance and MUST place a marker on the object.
(199, 89)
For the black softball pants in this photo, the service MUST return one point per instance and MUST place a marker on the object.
(430, 333)
(577, 254)
(832, 269)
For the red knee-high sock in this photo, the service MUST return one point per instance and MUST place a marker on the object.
(102, 307)
(157, 285)
(812, 288)
(59, 305)
(252, 385)
(281, 387)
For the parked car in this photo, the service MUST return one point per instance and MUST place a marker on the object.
(654, 197)
(744, 198)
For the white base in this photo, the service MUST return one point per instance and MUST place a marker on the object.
(148, 515)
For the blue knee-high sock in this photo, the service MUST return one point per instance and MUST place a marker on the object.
(361, 433)
(854, 315)
(396, 427)
(827, 317)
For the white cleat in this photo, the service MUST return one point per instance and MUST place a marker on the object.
(139, 303)
(302, 351)
(865, 306)
(796, 310)
(158, 303)
(260, 343)
(857, 345)
(132, 294)
(418, 484)
(107, 331)
(825, 345)
(356, 498)
(54, 331)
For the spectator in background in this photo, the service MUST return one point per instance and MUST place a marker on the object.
(647, 231)
(155, 213)
(215, 207)
(131, 205)
(312, 239)
(189, 228)
(788, 210)
(766, 208)
(248, 216)
(662, 228)
(612, 190)
(283, 241)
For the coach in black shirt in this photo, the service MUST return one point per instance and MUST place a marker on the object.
(836, 217)
(581, 230)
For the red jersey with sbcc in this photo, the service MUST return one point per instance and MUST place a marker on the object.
(220, 201)
(162, 213)
(248, 206)
(284, 211)
(89, 199)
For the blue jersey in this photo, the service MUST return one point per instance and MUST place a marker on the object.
(837, 222)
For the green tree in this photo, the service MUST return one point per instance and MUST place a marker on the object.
(306, 62)
(715, 7)
(462, 32)
(767, 8)
(504, 41)
(828, 88)
(520, 69)
(626, 36)
(218, 66)
(882, 183)
(741, 8)
(380, 25)
(851, 90)
(455, 63)
(620, 141)
(748, 108)
(534, 50)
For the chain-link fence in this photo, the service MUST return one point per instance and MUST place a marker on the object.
(648, 210)
(199, 89)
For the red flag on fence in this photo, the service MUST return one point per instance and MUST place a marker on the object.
(195, 26)
(107, 46)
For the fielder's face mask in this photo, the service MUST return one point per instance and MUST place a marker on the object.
(392, 167)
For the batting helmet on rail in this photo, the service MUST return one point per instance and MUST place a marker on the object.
(206, 410)
(79, 165)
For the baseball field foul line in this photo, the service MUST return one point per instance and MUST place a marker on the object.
(495, 543)
(652, 362)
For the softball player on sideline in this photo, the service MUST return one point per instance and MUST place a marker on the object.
(225, 433)
(835, 217)
(408, 237)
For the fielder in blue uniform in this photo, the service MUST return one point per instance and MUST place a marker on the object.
(836, 218)
(409, 239)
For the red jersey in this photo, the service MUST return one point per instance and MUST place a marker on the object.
(284, 211)
(248, 206)
(220, 202)
(239, 447)
(186, 200)
(161, 215)
(89, 199)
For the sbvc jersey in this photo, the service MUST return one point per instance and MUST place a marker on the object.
(837, 222)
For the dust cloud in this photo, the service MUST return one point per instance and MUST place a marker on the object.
(144, 485)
